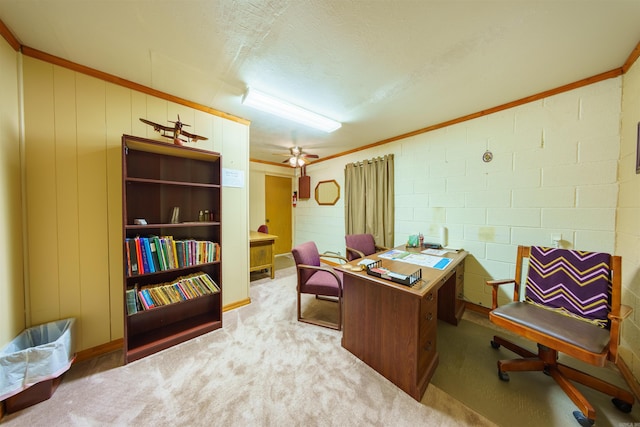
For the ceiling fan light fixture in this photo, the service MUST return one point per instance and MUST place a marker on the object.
(269, 104)
(293, 162)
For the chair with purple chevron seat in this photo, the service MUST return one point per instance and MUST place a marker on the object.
(571, 305)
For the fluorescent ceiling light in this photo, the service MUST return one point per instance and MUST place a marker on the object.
(283, 109)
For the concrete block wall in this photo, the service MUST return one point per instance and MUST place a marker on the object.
(564, 166)
(628, 217)
(554, 172)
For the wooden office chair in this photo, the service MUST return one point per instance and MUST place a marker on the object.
(263, 229)
(572, 305)
(318, 279)
(361, 245)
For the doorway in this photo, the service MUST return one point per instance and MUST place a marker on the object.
(277, 192)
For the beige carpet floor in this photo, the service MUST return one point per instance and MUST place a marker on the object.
(263, 368)
(266, 369)
(468, 372)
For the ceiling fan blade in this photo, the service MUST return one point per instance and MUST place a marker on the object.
(310, 156)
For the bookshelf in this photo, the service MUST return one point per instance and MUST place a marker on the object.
(158, 177)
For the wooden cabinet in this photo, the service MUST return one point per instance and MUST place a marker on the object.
(262, 252)
(156, 178)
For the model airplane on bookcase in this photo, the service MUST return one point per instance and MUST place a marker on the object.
(174, 132)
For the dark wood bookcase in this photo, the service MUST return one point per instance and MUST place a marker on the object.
(156, 177)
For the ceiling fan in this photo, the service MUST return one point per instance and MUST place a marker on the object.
(298, 157)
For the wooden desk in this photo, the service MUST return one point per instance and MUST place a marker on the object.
(261, 251)
(392, 327)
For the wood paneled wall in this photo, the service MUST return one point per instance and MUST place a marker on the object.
(73, 128)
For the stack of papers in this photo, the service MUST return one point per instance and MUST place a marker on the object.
(422, 259)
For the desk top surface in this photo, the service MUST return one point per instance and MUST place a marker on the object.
(430, 276)
(255, 236)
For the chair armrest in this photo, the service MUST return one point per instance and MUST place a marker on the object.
(494, 293)
(496, 283)
(334, 255)
(355, 251)
(382, 248)
(614, 330)
(321, 268)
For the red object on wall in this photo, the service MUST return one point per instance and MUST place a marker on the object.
(304, 186)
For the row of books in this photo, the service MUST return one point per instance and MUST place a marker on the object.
(183, 288)
(153, 253)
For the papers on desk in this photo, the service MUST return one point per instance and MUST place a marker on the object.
(366, 261)
(394, 254)
(421, 259)
(436, 252)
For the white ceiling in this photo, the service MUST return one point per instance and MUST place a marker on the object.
(381, 67)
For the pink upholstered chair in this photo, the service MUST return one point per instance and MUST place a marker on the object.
(361, 245)
(263, 229)
(318, 279)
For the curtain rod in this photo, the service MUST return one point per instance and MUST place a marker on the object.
(375, 159)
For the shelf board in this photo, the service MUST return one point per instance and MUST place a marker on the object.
(150, 342)
(169, 149)
(169, 182)
(170, 225)
(173, 270)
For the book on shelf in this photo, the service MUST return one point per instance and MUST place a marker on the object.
(132, 257)
(141, 268)
(132, 301)
(181, 289)
(128, 257)
(175, 215)
(153, 254)
(147, 250)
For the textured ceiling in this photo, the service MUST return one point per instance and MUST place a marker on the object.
(383, 68)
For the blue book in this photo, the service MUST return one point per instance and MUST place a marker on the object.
(143, 255)
(147, 249)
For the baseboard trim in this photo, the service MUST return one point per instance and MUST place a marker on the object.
(237, 304)
(92, 352)
(115, 345)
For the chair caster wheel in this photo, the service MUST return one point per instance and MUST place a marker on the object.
(582, 420)
(495, 344)
(621, 405)
(503, 375)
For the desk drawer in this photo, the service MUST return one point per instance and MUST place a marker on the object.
(428, 314)
(460, 281)
(426, 349)
(428, 323)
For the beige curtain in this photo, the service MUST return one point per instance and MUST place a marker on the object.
(369, 199)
